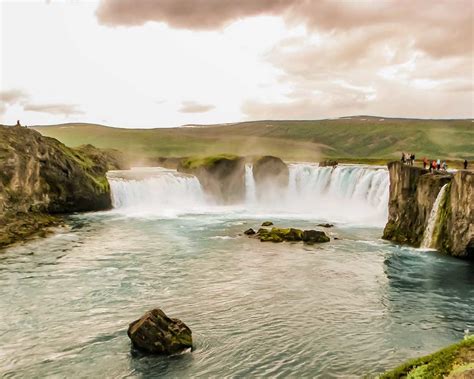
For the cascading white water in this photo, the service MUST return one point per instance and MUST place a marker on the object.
(353, 194)
(432, 220)
(250, 191)
(162, 192)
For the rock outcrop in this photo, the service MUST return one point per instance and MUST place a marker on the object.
(291, 235)
(271, 174)
(221, 176)
(413, 192)
(156, 333)
(39, 176)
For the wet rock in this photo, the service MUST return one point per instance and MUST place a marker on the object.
(156, 333)
(249, 232)
(291, 235)
(271, 176)
(221, 176)
(314, 236)
(328, 163)
(326, 225)
(267, 223)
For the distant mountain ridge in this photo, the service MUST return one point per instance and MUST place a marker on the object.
(348, 137)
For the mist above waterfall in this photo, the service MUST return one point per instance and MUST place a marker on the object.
(345, 194)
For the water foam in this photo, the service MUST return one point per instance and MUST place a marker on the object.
(354, 194)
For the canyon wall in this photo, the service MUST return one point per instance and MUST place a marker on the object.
(413, 192)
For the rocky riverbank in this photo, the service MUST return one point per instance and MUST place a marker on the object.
(40, 178)
(413, 192)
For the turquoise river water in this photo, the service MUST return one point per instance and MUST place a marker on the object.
(355, 306)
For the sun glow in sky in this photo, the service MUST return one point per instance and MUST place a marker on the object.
(142, 63)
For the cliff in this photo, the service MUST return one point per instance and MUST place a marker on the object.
(40, 177)
(413, 192)
(271, 174)
(221, 176)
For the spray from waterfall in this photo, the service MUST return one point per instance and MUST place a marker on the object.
(348, 194)
(433, 220)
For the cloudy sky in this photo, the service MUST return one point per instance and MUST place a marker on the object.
(156, 63)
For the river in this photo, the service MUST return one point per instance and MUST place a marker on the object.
(355, 306)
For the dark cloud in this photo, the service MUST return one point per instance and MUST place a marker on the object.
(193, 107)
(186, 14)
(55, 109)
(440, 28)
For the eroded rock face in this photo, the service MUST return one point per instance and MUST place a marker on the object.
(156, 333)
(39, 175)
(271, 175)
(413, 192)
(222, 177)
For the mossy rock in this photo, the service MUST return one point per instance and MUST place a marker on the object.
(156, 333)
(221, 176)
(291, 235)
(451, 362)
(267, 223)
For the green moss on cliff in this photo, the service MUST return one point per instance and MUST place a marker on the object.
(19, 227)
(457, 357)
(206, 162)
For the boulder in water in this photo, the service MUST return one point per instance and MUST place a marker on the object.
(156, 333)
(314, 236)
(326, 225)
(267, 223)
(249, 232)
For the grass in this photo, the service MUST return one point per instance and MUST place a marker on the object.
(458, 357)
(351, 139)
(196, 162)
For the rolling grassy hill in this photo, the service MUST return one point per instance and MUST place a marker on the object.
(361, 137)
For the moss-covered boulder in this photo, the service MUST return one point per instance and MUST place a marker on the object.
(267, 223)
(455, 361)
(291, 235)
(156, 333)
(271, 176)
(314, 236)
(221, 176)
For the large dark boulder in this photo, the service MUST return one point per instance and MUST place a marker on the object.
(270, 174)
(156, 333)
(221, 176)
(314, 236)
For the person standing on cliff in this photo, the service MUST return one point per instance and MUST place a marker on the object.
(465, 164)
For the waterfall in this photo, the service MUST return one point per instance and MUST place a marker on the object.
(160, 191)
(432, 220)
(350, 194)
(250, 192)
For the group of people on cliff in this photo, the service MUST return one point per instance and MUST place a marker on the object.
(432, 165)
(408, 159)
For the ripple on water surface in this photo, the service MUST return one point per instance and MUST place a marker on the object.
(355, 306)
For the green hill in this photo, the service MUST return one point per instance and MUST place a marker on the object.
(360, 137)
